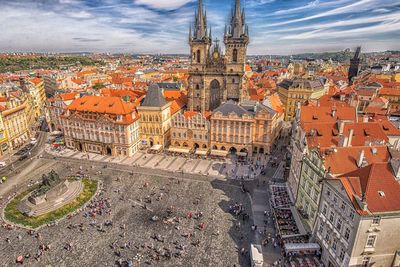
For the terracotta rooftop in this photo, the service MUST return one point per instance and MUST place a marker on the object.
(343, 160)
(377, 184)
(101, 104)
(310, 114)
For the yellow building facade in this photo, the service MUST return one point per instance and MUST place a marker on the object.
(155, 118)
(292, 92)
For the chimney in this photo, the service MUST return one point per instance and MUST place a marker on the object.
(351, 132)
(361, 159)
(343, 140)
(340, 126)
(333, 112)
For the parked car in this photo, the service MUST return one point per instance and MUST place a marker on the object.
(2, 164)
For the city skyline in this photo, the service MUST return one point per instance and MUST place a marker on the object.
(149, 26)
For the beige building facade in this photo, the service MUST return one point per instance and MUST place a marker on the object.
(190, 130)
(155, 118)
(102, 125)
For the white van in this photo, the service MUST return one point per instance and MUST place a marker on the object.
(2, 164)
(256, 256)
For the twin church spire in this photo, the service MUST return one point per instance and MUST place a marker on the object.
(236, 29)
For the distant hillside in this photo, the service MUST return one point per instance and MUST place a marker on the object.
(12, 64)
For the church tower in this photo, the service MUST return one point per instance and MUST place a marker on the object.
(215, 78)
(236, 40)
(200, 42)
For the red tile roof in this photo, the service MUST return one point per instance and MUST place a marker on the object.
(101, 104)
(344, 159)
(310, 114)
(68, 96)
(36, 80)
(377, 185)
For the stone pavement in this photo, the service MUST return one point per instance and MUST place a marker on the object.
(214, 168)
(260, 196)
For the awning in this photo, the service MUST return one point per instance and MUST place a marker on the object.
(300, 247)
(179, 150)
(256, 255)
(219, 153)
(156, 147)
(201, 152)
(242, 154)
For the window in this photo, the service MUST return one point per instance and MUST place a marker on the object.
(328, 192)
(341, 255)
(343, 207)
(376, 220)
(235, 55)
(331, 216)
(347, 234)
(334, 244)
(335, 198)
(321, 228)
(325, 209)
(351, 215)
(198, 56)
(339, 224)
(371, 241)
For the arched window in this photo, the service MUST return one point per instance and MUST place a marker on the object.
(235, 55)
(197, 87)
(198, 56)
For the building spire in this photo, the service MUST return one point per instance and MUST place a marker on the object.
(237, 24)
(201, 23)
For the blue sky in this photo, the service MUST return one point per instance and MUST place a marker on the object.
(161, 26)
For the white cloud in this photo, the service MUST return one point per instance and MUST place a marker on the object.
(389, 26)
(340, 23)
(358, 6)
(163, 4)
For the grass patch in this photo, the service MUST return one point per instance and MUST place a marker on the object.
(12, 213)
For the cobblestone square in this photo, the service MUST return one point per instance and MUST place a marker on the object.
(168, 221)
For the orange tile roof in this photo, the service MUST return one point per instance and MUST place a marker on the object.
(68, 96)
(326, 135)
(77, 81)
(389, 91)
(310, 114)
(370, 182)
(388, 128)
(170, 95)
(344, 159)
(86, 72)
(176, 106)
(36, 80)
(189, 114)
(101, 104)
(276, 103)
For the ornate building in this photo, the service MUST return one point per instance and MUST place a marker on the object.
(215, 78)
(191, 131)
(102, 125)
(155, 118)
(246, 128)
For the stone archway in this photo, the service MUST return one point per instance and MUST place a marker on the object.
(196, 146)
(215, 99)
(232, 151)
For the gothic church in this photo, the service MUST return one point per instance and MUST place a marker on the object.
(215, 78)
